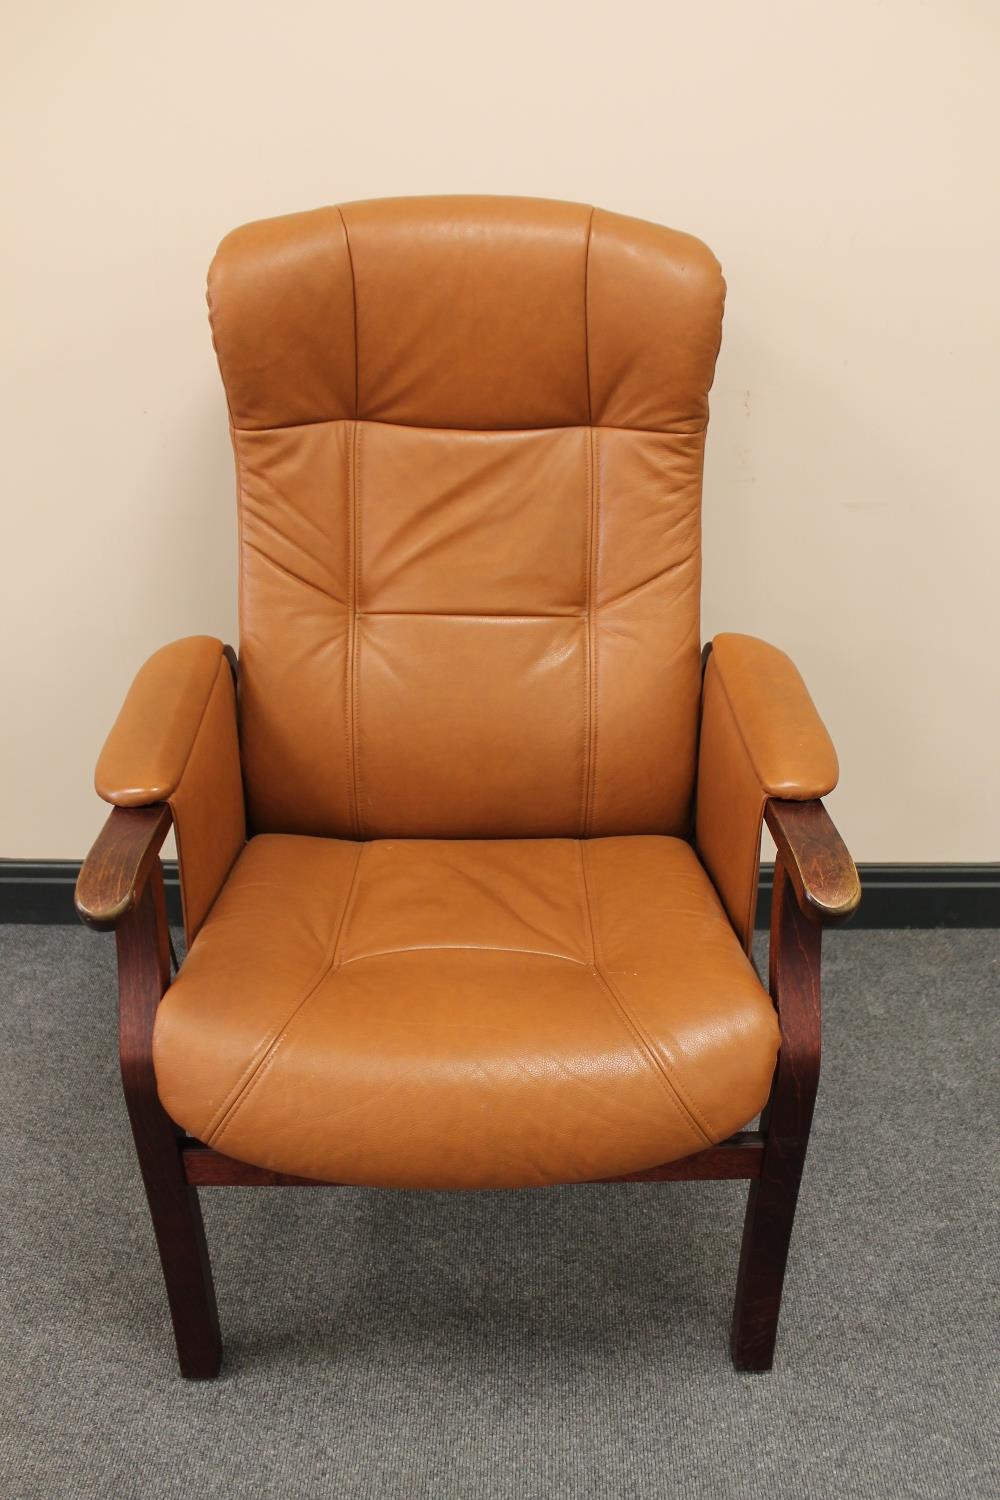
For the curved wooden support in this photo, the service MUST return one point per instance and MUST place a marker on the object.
(118, 866)
(795, 988)
(738, 1157)
(143, 976)
(815, 858)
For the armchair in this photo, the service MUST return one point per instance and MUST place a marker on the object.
(468, 841)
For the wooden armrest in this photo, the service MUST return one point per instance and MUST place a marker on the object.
(117, 867)
(822, 872)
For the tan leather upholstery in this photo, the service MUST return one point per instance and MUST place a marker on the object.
(760, 737)
(465, 1014)
(468, 944)
(175, 741)
(469, 438)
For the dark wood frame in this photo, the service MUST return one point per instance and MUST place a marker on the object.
(121, 888)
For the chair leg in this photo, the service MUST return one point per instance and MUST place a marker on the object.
(767, 1230)
(143, 976)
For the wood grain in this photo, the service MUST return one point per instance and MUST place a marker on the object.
(794, 981)
(143, 976)
(815, 857)
(117, 867)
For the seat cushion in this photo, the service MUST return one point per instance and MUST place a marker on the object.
(437, 1013)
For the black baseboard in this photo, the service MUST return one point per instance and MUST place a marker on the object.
(894, 895)
(41, 890)
(915, 896)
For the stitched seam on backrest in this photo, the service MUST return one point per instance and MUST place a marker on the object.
(241, 591)
(588, 640)
(352, 630)
(695, 431)
(586, 317)
(355, 663)
(354, 305)
(248, 1080)
(675, 1092)
(587, 748)
(351, 665)
(592, 612)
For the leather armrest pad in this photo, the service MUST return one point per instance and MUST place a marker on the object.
(785, 739)
(151, 740)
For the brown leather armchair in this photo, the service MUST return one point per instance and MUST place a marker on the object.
(469, 836)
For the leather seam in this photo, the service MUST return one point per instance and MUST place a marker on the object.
(698, 431)
(589, 636)
(251, 1075)
(355, 652)
(592, 622)
(241, 589)
(352, 631)
(464, 948)
(675, 1092)
(351, 672)
(434, 614)
(460, 614)
(586, 317)
(354, 307)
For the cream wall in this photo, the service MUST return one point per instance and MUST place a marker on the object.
(840, 159)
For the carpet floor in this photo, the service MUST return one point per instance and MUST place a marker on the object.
(569, 1342)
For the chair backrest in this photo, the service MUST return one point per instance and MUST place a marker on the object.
(469, 436)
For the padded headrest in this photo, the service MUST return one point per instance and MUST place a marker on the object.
(466, 312)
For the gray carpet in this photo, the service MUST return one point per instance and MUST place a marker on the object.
(565, 1343)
